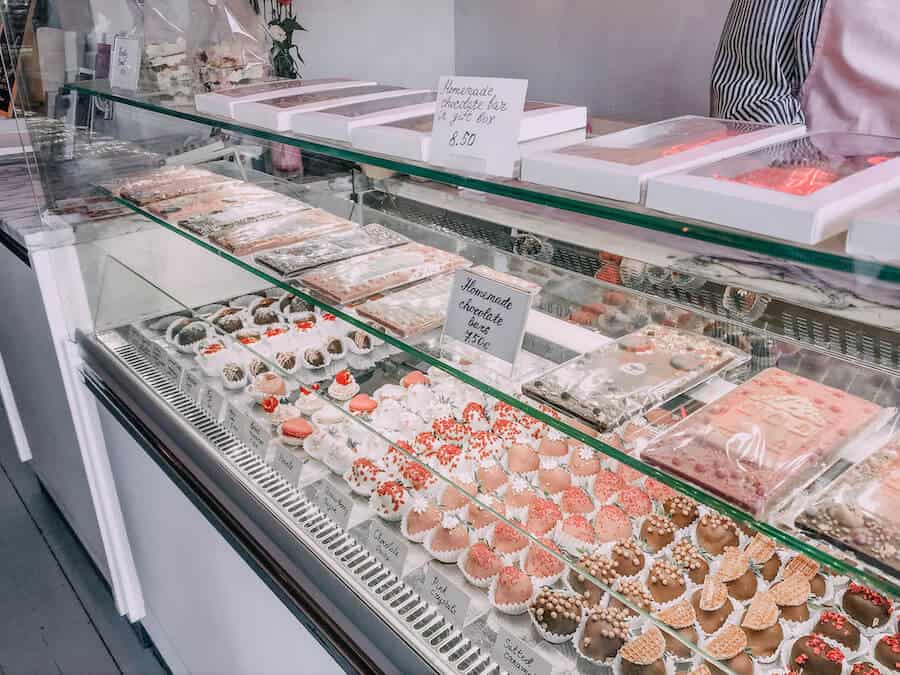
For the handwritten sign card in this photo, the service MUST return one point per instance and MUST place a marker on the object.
(477, 122)
(446, 597)
(516, 656)
(387, 546)
(488, 315)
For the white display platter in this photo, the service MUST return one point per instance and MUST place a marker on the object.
(224, 102)
(806, 219)
(338, 123)
(276, 114)
(626, 181)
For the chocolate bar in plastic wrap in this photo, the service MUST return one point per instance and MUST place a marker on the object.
(294, 228)
(414, 310)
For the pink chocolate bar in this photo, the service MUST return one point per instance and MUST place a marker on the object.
(795, 180)
(763, 439)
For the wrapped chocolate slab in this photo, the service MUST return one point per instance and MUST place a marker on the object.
(189, 206)
(633, 374)
(165, 67)
(414, 310)
(861, 512)
(763, 440)
(332, 248)
(282, 231)
(366, 275)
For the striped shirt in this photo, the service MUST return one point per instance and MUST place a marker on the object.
(763, 58)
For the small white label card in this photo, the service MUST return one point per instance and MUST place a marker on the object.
(387, 546)
(332, 502)
(192, 385)
(446, 596)
(516, 656)
(158, 356)
(237, 422)
(258, 437)
(477, 123)
(125, 63)
(173, 370)
(488, 315)
(212, 401)
(288, 464)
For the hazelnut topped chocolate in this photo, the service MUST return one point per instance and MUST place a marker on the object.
(557, 612)
(869, 608)
(715, 532)
(627, 556)
(837, 627)
(591, 567)
(665, 581)
(657, 532)
(682, 510)
(605, 632)
(811, 655)
(688, 557)
(635, 593)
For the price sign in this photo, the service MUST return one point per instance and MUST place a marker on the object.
(516, 656)
(288, 464)
(192, 385)
(212, 402)
(237, 422)
(173, 370)
(488, 315)
(446, 597)
(258, 437)
(387, 546)
(332, 502)
(477, 123)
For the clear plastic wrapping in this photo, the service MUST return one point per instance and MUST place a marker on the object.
(165, 67)
(632, 374)
(414, 310)
(764, 439)
(283, 231)
(862, 510)
(339, 246)
(381, 271)
(227, 44)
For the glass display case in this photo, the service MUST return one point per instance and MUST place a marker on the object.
(687, 463)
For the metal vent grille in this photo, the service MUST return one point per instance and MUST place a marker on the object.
(446, 645)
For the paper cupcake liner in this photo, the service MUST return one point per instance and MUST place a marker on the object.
(572, 545)
(511, 609)
(444, 556)
(784, 657)
(866, 644)
(404, 529)
(553, 638)
(477, 583)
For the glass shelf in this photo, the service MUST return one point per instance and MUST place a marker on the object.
(818, 256)
(567, 291)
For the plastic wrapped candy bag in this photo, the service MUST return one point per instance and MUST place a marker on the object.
(228, 44)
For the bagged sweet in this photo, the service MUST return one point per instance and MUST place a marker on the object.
(227, 44)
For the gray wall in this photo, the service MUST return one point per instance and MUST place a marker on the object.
(637, 60)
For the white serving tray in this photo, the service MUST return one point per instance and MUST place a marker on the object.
(806, 219)
(338, 122)
(223, 102)
(266, 114)
(626, 182)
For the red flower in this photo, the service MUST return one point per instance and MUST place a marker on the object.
(343, 378)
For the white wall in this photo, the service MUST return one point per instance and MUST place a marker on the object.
(404, 42)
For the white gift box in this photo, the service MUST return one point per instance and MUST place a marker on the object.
(618, 165)
(337, 123)
(278, 113)
(544, 126)
(804, 190)
(223, 102)
(875, 232)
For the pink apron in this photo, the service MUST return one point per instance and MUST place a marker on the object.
(854, 82)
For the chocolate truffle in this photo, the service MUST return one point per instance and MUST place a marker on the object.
(557, 612)
(817, 586)
(760, 623)
(605, 632)
(715, 532)
(589, 567)
(657, 532)
(887, 652)
(512, 586)
(792, 595)
(727, 647)
(681, 618)
(636, 595)
(762, 553)
(837, 627)
(681, 509)
(688, 557)
(627, 557)
(734, 570)
(811, 655)
(865, 606)
(712, 605)
(644, 654)
(864, 668)
(665, 581)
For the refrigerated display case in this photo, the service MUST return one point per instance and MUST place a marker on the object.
(688, 461)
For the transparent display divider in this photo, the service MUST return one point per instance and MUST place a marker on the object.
(426, 354)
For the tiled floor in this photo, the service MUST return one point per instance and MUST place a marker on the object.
(56, 613)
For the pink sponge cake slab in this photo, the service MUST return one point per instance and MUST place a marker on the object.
(763, 439)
